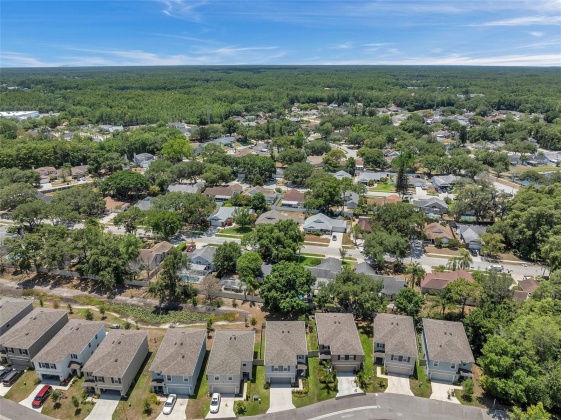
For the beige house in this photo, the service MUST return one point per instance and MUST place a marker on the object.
(153, 257)
(24, 340)
(395, 343)
(116, 362)
(230, 361)
(338, 341)
(286, 351)
(12, 311)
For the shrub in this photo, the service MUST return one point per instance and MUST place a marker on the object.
(194, 301)
(240, 407)
(253, 321)
(41, 303)
(154, 399)
(234, 303)
(28, 292)
(248, 394)
(89, 315)
(75, 401)
(219, 302)
(147, 407)
(127, 325)
(70, 310)
(266, 386)
(56, 304)
(182, 246)
(467, 386)
(102, 311)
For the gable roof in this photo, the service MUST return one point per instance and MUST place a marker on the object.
(206, 253)
(271, 217)
(430, 202)
(284, 341)
(364, 224)
(265, 191)
(31, 327)
(294, 195)
(148, 255)
(10, 308)
(223, 214)
(186, 188)
(436, 231)
(447, 341)
(342, 174)
(229, 349)
(228, 191)
(441, 280)
(325, 271)
(321, 221)
(529, 285)
(115, 353)
(351, 197)
(374, 176)
(471, 233)
(339, 332)
(397, 333)
(179, 352)
(382, 201)
(71, 339)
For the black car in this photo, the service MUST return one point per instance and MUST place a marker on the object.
(12, 377)
(4, 372)
(473, 252)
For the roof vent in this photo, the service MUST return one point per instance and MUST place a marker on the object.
(116, 360)
(181, 343)
(183, 356)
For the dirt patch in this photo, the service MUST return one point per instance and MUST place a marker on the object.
(442, 251)
(316, 239)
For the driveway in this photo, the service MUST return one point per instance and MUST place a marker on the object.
(178, 412)
(398, 384)
(104, 406)
(347, 385)
(226, 410)
(27, 401)
(440, 392)
(281, 398)
(337, 243)
(4, 390)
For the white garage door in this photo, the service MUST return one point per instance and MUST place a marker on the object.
(399, 370)
(281, 380)
(224, 389)
(345, 368)
(179, 390)
(441, 377)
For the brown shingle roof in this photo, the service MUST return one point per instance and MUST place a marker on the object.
(284, 341)
(339, 332)
(10, 308)
(440, 280)
(179, 352)
(436, 230)
(115, 353)
(529, 285)
(71, 339)
(229, 349)
(397, 333)
(32, 327)
(294, 195)
(224, 191)
(447, 341)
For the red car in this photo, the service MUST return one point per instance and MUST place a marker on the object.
(42, 396)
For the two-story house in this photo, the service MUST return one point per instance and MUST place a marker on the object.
(115, 363)
(153, 257)
(446, 349)
(286, 351)
(24, 340)
(177, 364)
(12, 311)
(230, 361)
(395, 343)
(67, 352)
(338, 341)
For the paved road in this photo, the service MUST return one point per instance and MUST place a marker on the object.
(381, 406)
(10, 410)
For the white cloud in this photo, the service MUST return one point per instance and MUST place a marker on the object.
(523, 21)
(234, 50)
(15, 59)
(536, 34)
(342, 46)
(182, 9)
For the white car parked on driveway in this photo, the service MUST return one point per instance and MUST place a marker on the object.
(215, 403)
(169, 404)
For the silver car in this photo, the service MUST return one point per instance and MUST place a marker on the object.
(169, 404)
(215, 403)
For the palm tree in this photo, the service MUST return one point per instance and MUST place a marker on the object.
(464, 260)
(415, 272)
(453, 263)
(442, 301)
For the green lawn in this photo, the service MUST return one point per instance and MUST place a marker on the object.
(237, 230)
(309, 261)
(224, 235)
(308, 254)
(374, 384)
(312, 337)
(67, 409)
(23, 386)
(316, 391)
(258, 388)
(473, 401)
(199, 406)
(419, 383)
(382, 188)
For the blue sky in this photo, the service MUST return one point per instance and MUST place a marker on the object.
(208, 32)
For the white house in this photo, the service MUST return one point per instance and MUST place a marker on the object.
(69, 350)
(321, 223)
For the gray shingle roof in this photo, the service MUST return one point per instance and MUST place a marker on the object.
(447, 341)
(397, 333)
(229, 349)
(179, 352)
(321, 221)
(206, 253)
(339, 332)
(32, 327)
(115, 353)
(284, 341)
(71, 339)
(9, 308)
(271, 217)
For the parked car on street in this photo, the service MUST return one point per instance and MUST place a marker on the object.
(169, 404)
(496, 267)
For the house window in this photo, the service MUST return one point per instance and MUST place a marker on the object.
(53, 366)
(408, 360)
(74, 356)
(24, 351)
(230, 378)
(453, 366)
(168, 377)
(10, 350)
(99, 379)
(400, 359)
(275, 368)
(244, 364)
(286, 368)
(96, 336)
(89, 345)
(435, 363)
(217, 378)
(116, 380)
(185, 379)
